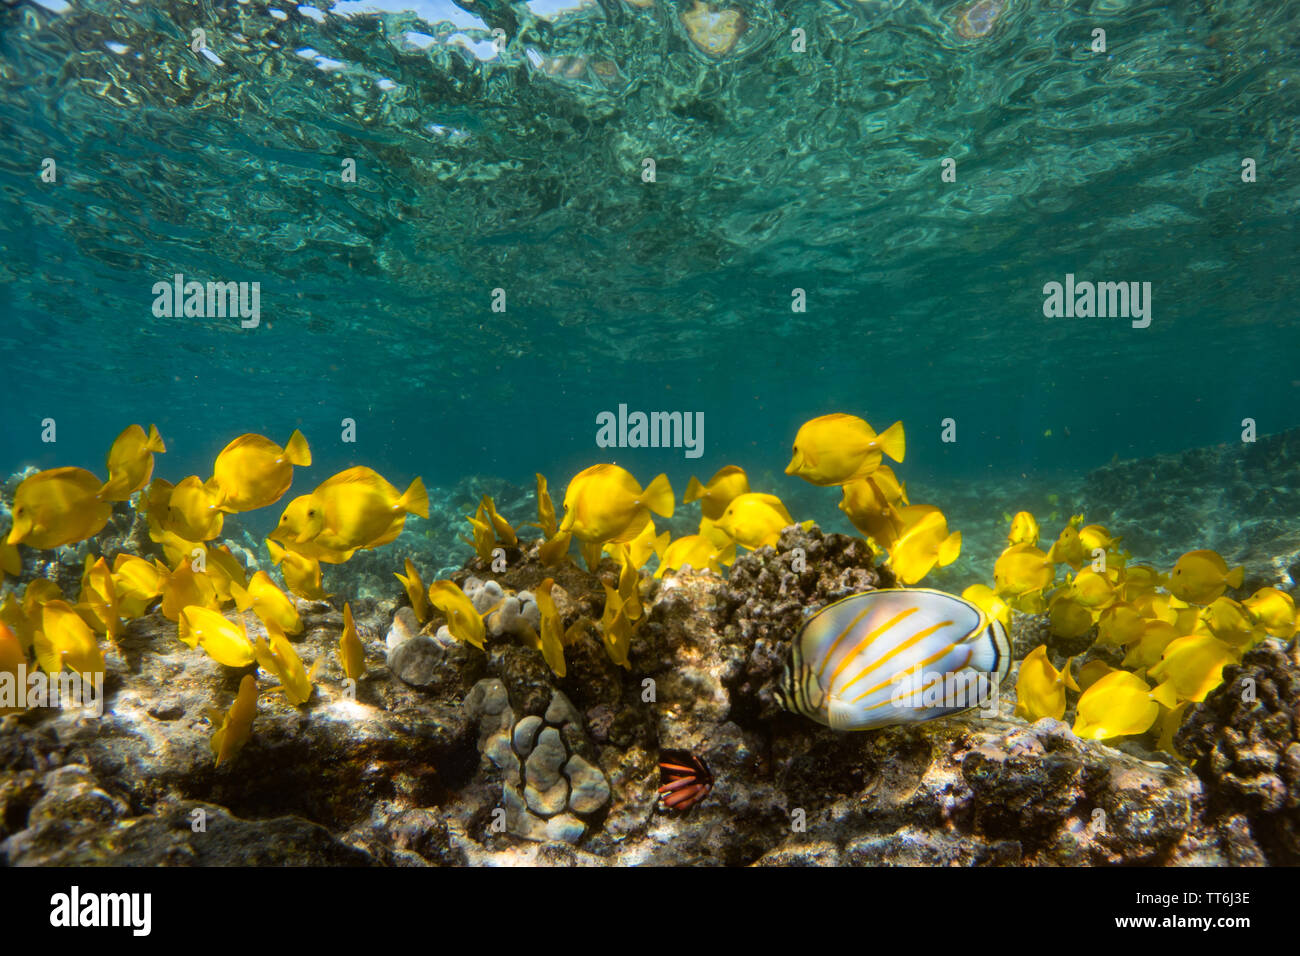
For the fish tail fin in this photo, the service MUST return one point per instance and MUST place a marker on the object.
(416, 499)
(660, 544)
(186, 633)
(694, 491)
(1163, 693)
(1236, 576)
(155, 442)
(113, 490)
(297, 451)
(658, 497)
(950, 549)
(47, 655)
(243, 600)
(892, 442)
(591, 554)
(277, 552)
(727, 556)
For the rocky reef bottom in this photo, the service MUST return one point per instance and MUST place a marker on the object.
(446, 755)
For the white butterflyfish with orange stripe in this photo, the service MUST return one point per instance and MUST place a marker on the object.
(894, 656)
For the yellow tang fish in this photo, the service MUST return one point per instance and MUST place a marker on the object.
(923, 545)
(1040, 688)
(11, 562)
(605, 503)
(868, 506)
(352, 653)
(414, 586)
(130, 462)
(268, 602)
(755, 520)
(1022, 573)
(186, 587)
(280, 659)
(1201, 576)
(1274, 610)
(1120, 624)
(727, 484)
(225, 571)
(253, 471)
(1093, 589)
(545, 509)
(1095, 537)
(555, 549)
(551, 639)
(617, 638)
(1024, 530)
(699, 552)
(1068, 549)
(57, 507)
(224, 641)
(1116, 705)
(23, 624)
(231, 730)
(500, 526)
(644, 545)
(484, 541)
(98, 603)
(358, 508)
(66, 640)
(1146, 650)
(1231, 623)
(1139, 580)
(11, 656)
(1190, 668)
(138, 583)
(894, 656)
(629, 582)
(463, 621)
(291, 529)
(154, 502)
(835, 449)
(192, 511)
(1068, 618)
(986, 599)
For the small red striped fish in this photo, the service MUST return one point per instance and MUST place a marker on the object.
(894, 656)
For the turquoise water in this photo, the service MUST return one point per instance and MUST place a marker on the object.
(520, 170)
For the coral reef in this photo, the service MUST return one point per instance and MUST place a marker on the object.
(1245, 741)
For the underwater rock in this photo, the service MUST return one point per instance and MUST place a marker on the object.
(976, 20)
(714, 31)
(1244, 741)
(405, 626)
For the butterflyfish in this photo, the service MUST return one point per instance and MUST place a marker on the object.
(894, 656)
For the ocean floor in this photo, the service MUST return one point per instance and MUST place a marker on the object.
(448, 755)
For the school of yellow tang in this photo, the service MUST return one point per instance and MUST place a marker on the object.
(194, 586)
(1178, 629)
